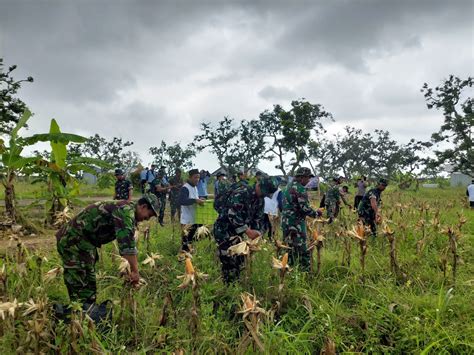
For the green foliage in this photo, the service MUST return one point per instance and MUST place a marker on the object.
(421, 314)
(105, 180)
(457, 128)
(11, 107)
(293, 132)
(173, 156)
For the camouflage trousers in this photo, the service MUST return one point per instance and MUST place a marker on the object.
(332, 209)
(369, 220)
(225, 238)
(295, 238)
(161, 215)
(174, 208)
(79, 258)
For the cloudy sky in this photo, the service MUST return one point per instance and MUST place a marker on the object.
(152, 70)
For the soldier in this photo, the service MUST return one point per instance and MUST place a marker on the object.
(369, 206)
(295, 210)
(123, 187)
(242, 213)
(159, 187)
(332, 198)
(98, 224)
(176, 183)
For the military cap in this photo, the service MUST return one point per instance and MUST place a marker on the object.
(383, 181)
(221, 174)
(118, 172)
(268, 185)
(153, 201)
(303, 171)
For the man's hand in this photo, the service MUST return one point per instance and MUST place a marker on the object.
(378, 218)
(200, 202)
(252, 233)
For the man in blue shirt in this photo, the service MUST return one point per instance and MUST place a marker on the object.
(202, 184)
(143, 179)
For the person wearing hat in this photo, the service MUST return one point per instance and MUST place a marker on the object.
(188, 199)
(332, 199)
(295, 209)
(96, 225)
(123, 187)
(242, 215)
(369, 206)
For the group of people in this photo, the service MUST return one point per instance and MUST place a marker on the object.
(240, 206)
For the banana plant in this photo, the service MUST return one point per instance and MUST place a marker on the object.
(59, 171)
(14, 164)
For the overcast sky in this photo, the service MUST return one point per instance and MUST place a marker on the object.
(153, 70)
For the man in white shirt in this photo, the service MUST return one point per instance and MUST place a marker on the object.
(470, 193)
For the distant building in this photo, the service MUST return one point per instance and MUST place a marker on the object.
(459, 179)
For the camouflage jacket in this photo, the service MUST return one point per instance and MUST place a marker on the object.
(333, 194)
(365, 209)
(102, 222)
(223, 193)
(296, 204)
(122, 189)
(158, 181)
(244, 209)
(177, 183)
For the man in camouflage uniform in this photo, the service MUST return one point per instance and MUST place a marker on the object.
(332, 199)
(293, 218)
(369, 206)
(98, 224)
(242, 214)
(123, 187)
(176, 183)
(159, 187)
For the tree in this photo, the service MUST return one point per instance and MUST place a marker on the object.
(173, 156)
(458, 125)
(291, 132)
(236, 147)
(58, 171)
(109, 151)
(11, 107)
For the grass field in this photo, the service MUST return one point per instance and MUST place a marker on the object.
(417, 308)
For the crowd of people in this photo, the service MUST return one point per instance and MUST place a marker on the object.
(243, 207)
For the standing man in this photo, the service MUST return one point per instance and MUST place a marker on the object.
(143, 178)
(332, 197)
(202, 184)
(151, 174)
(361, 186)
(176, 182)
(470, 194)
(188, 199)
(159, 187)
(242, 214)
(296, 208)
(369, 207)
(98, 224)
(219, 178)
(123, 187)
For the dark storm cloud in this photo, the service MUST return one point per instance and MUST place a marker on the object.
(152, 70)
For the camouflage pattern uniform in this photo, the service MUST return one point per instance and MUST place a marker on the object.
(242, 209)
(177, 183)
(293, 221)
(365, 211)
(77, 243)
(158, 181)
(122, 189)
(332, 198)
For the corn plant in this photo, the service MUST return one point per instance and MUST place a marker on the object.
(358, 232)
(252, 316)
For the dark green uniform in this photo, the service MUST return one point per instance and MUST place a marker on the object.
(365, 211)
(240, 210)
(177, 183)
(122, 189)
(331, 202)
(77, 243)
(293, 221)
(158, 181)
